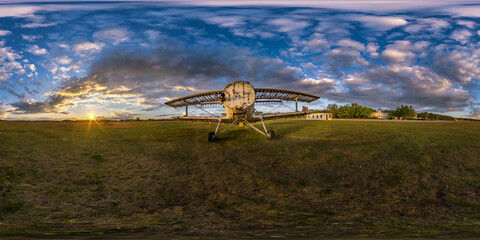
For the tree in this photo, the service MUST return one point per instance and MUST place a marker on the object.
(333, 108)
(354, 111)
(424, 115)
(404, 112)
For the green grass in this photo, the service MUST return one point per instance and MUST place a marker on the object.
(317, 178)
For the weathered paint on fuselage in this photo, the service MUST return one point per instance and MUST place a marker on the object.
(239, 100)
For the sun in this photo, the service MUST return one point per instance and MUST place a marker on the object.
(92, 117)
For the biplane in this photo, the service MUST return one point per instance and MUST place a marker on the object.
(239, 99)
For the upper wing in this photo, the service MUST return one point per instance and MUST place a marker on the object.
(283, 94)
(213, 97)
(202, 119)
(195, 99)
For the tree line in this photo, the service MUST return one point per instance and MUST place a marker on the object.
(350, 111)
(357, 111)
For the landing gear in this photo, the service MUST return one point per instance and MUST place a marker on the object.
(271, 134)
(211, 136)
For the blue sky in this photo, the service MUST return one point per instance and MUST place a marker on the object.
(118, 59)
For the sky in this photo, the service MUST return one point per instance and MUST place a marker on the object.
(120, 59)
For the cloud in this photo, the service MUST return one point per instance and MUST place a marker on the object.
(433, 25)
(381, 23)
(89, 47)
(464, 11)
(461, 35)
(461, 66)
(288, 25)
(27, 9)
(468, 24)
(123, 116)
(226, 21)
(351, 44)
(394, 55)
(393, 85)
(54, 104)
(341, 59)
(160, 73)
(32, 67)
(8, 63)
(4, 110)
(177, 51)
(404, 51)
(17, 10)
(36, 50)
(63, 60)
(36, 25)
(4, 33)
(30, 38)
(367, 6)
(116, 35)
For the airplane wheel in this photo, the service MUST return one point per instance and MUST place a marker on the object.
(271, 134)
(211, 136)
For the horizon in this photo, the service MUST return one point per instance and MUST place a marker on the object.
(67, 60)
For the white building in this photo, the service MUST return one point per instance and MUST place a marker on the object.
(380, 114)
(318, 116)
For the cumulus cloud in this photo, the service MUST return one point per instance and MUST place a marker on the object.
(461, 35)
(468, 24)
(8, 62)
(381, 23)
(54, 104)
(313, 44)
(226, 21)
(116, 35)
(346, 56)
(32, 67)
(398, 52)
(288, 25)
(394, 55)
(4, 110)
(36, 50)
(352, 44)
(88, 47)
(416, 86)
(343, 58)
(30, 38)
(169, 71)
(433, 25)
(458, 65)
(4, 33)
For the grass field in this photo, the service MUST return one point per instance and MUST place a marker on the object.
(317, 178)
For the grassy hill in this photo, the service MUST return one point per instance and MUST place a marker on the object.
(317, 178)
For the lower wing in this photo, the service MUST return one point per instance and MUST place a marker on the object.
(284, 115)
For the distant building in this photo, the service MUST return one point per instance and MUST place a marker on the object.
(380, 114)
(318, 116)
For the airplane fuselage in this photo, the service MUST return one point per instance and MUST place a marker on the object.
(238, 100)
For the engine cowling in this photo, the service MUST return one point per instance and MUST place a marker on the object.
(239, 98)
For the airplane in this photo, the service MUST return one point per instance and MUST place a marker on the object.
(239, 99)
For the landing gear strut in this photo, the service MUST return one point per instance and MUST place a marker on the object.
(270, 134)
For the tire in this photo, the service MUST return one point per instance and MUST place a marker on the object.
(211, 136)
(271, 134)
